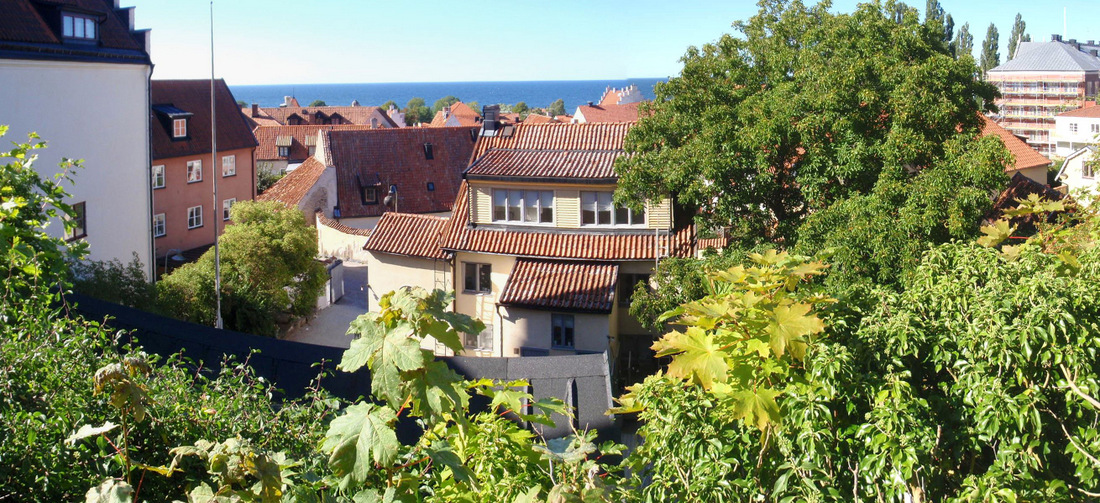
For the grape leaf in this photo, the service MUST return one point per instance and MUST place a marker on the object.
(361, 437)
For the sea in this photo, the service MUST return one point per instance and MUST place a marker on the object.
(536, 94)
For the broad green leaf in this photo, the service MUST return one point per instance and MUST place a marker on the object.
(110, 491)
(790, 327)
(442, 454)
(757, 408)
(996, 233)
(361, 437)
(696, 356)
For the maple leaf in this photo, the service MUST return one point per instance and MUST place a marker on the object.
(789, 328)
(698, 357)
(757, 408)
(360, 438)
(996, 233)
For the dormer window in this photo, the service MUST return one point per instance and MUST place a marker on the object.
(428, 151)
(79, 27)
(179, 128)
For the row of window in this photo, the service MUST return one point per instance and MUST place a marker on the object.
(194, 171)
(537, 207)
(78, 26)
(1093, 128)
(194, 218)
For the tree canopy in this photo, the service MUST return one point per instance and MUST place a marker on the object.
(1018, 35)
(964, 42)
(445, 101)
(990, 56)
(805, 109)
(318, 103)
(556, 108)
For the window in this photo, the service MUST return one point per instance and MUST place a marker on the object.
(428, 151)
(561, 333)
(482, 341)
(284, 151)
(628, 283)
(1086, 170)
(194, 217)
(431, 186)
(194, 171)
(79, 221)
(160, 226)
(598, 208)
(79, 27)
(478, 278)
(158, 177)
(179, 128)
(310, 150)
(229, 165)
(226, 204)
(1073, 127)
(528, 206)
(368, 195)
(1095, 128)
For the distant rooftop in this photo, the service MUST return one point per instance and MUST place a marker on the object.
(1053, 56)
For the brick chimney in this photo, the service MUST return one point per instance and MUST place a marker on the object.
(255, 110)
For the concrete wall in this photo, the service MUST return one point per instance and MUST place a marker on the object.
(333, 242)
(177, 196)
(98, 112)
(1039, 174)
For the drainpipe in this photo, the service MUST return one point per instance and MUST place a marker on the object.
(501, 324)
(149, 175)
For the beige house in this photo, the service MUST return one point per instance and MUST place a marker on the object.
(535, 246)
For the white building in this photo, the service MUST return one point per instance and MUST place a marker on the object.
(1078, 174)
(1075, 129)
(79, 77)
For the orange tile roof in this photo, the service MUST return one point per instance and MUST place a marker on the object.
(335, 224)
(354, 115)
(261, 119)
(610, 97)
(642, 244)
(609, 113)
(602, 136)
(1089, 111)
(292, 188)
(588, 165)
(267, 136)
(407, 234)
(538, 119)
(561, 285)
(1026, 157)
(465, 115)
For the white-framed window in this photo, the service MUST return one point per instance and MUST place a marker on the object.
(561, 331)
(229, 165)
(158, 177)
(194, 217)
(478, 278)
(482, 341)
(160, 225)
(1094, 128)
(179, 128)
(527, 206)
(226, 204)
(194, 171)
(79, 220)
(284, 151)
(1086, 170)
(78, 26)
(1073, 127)
(598, 208)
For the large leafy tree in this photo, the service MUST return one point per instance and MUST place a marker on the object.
(804, 109)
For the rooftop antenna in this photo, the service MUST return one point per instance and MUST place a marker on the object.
(214, 177)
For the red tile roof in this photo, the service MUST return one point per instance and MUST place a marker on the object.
(1089, 111)
(261, 118)
(538, 119)
(25, 22)
(588, 165)
(407, 234)
(291, 188)
(609, 113)
(610, 97)
(385, 157)
(642, 244)
(268, 136)
(354, 115)
(465, 115)
(1026, 157)
(561, 285)
(606, 136)
(194, 96)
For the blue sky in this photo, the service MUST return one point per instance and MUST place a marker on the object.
(352, 41)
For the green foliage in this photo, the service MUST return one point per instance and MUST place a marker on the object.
(416, 112)
(556, 108)
(1017, 35)
(318, 103)
(114, 282)
(990, 56)
(964, 43)
(475, 106)
(265, 179)
(386, 106)
(268, 267)
(804, 109)
(445, 101)
(520, 108)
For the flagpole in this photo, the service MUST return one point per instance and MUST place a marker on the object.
(214, 172)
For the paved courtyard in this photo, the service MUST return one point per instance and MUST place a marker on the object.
(330, 326)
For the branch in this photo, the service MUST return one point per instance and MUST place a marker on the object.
(1073, 386)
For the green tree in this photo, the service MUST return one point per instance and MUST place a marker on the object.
(475, 106)
(935, 15)
(964, 42)
(318, 103)
(520, 108)
(386, 106)
(416, 112)
(805, 109)
(445, 101)
(556, 108)
(1017, 35)
(990, 56)
(268, 267)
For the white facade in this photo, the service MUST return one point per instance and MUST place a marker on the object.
(98, 112)
(1078, 176)
(1074, 133)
